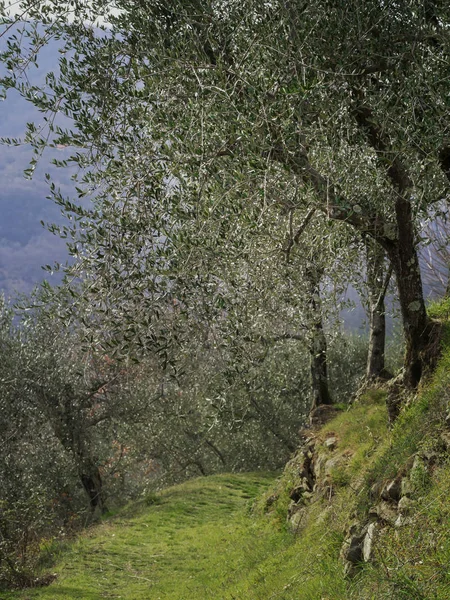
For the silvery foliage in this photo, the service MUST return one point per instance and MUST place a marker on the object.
(189, 124)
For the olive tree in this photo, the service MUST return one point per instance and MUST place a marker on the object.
(182, 111)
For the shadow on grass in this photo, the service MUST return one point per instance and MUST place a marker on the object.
(57, 592)
(69, 592)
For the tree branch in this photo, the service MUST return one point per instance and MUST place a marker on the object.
(386, 281)
(216, 451)
(294, 239)
(334, 205)
(444, 161)
(396, 171)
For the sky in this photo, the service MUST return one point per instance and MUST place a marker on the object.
(25, 245)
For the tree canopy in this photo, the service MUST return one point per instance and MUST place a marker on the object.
(238, 164)
(206, 132)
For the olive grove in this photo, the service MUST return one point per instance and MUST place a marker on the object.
(204, 130)
(238, 165)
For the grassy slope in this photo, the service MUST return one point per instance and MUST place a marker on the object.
(194, 541)
(201, 541)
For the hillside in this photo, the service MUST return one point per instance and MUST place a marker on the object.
(360, 512)
(195, 540)
(185, 413)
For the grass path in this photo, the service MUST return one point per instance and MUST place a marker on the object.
(196, 542)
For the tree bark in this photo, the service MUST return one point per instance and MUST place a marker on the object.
(91, 480)
(405, 262)
(68, 427)
(92, 483)
(319, 368)
(377, 282)
(318, 342)
(400, 245)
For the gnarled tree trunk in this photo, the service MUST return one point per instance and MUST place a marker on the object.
(318, 343)
(92, 483)
(405, 262)
(377, 282)
(401, 246)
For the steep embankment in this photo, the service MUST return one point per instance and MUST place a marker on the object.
(360, 512)
(370, 505)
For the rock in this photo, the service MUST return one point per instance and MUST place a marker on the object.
(445, 437)
(296, 493)
(369, 540)
(430, 456)
(318, 464)
(303, 463)
(333, 463)
(306, 476)
(299, 492)
(385, 511)
(376, 489)
(392, 490)
(331, 442)
(401, 521)
(292, 509)
(326, 469)
(295, 518)
(405, 505)
(307, 484)
(407, 487)
(353, 548)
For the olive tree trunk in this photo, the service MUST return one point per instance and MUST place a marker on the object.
(318, 342)
(405, 262)
(377, 282)
(93, 486)
(399, 239)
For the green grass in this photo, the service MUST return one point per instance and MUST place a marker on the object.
(218, 538)
(197, 541)
(210, 539)
(413, 562)
(440, 309)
